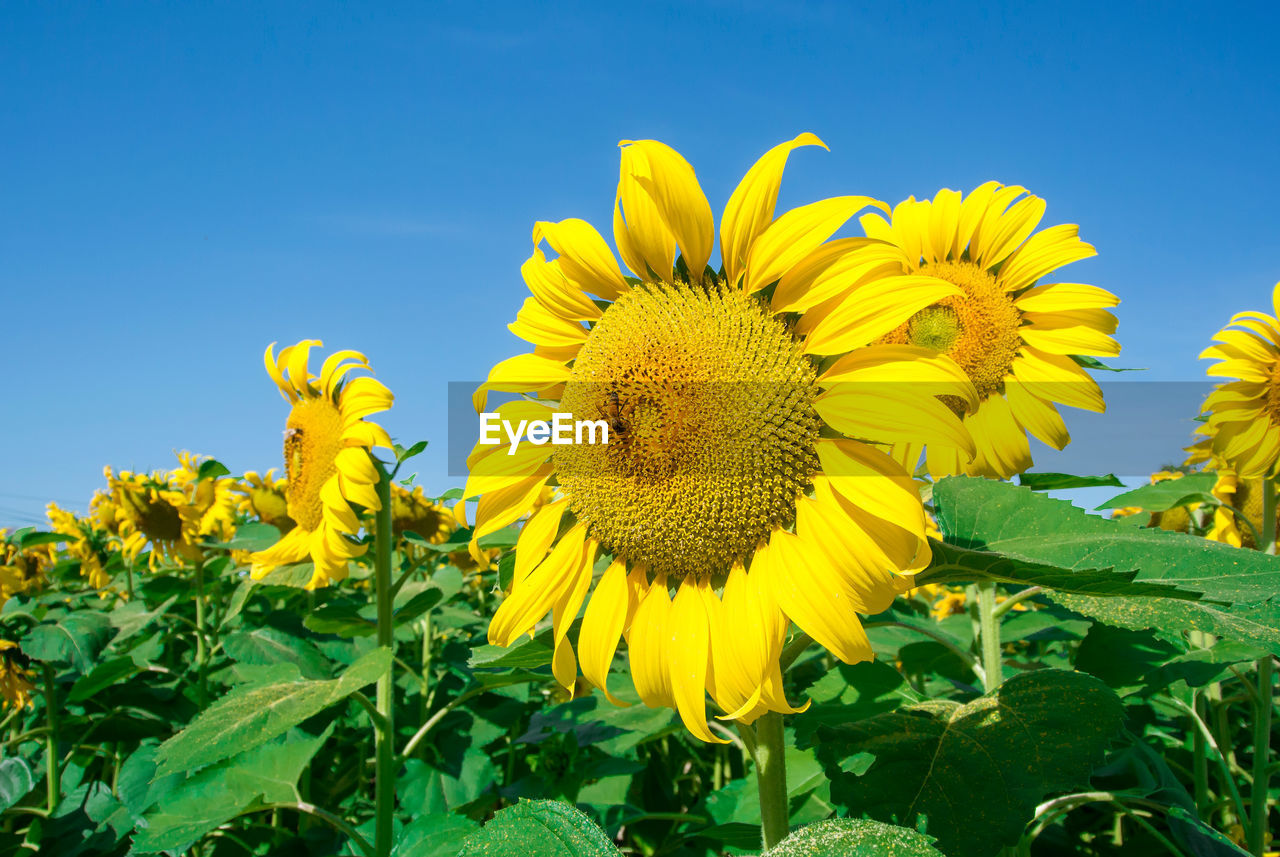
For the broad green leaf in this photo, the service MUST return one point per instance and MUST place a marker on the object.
(975, 772)
(237, 601)
(1168, 493)
(983, 515)
(269, 773)
(16, 780)
(528, 653)
(295, 576)
(211, 469)
(75, 639)
(346, 618)
(437, 789)
(539, 828)
(104, 675)
(434, 835)
(964, 565)
(1061, 481)
(33, 539)
(1255, 624)
(248, 717)
(131, 617)
(268, 645)
(854, 837)
(253, 536)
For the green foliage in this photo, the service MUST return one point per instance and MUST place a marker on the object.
(973, 773)
(1167, 494)
(1059, 481)
(539, 828)
(851, 837)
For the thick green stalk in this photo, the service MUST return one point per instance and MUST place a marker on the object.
(1261, 759)
(202, 653)
(52, 772)
(385, 753)
(989, 634)
(1264, 702)
(771, 777)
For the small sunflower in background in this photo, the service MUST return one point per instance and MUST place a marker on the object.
(1243, 416)
(327, 443)
(15, 677)
(173, 511)
(1016, 341)
(742, 473)
(81, 544)
(414, 512)
(266, 498)
(22, 569)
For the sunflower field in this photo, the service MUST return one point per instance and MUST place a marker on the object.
(806, 593)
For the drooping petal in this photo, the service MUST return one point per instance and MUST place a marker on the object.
(683, 207)
(585, 258)
(795, 235)
(546, 584)
(690, 641)
(602, 626)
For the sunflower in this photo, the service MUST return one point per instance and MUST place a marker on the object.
(15, 679)
(1243, 416)
(81, 538)
(413, 512)
(1016, 341)
(266, 498)
(22, 569)
(327, 446)
(173, 511)
(740, 488)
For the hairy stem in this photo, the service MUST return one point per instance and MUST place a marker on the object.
(384, 738)
(989, 634)
(771, 777)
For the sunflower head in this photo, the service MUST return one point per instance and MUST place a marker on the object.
(15, 676)
(413, 512)
(1243, 415)
(266, 498)
(84, 542)
(330, 475)
(742, 485)
(1015, 340)
(22, 569)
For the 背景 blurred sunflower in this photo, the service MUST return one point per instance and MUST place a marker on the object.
(82, 543)
(22, 569)
(1243, 416)
(174, 511)
(327, 444)
(15, 677)
(1015, 340)
(741, 470)
(266, 498)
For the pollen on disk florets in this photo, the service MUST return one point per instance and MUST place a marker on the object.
(978, 330)
(312, 441)
(714, 431)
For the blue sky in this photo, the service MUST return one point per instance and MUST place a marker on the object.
(182, 184)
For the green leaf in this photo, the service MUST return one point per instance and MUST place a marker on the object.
(1096, 364)
(76, 639)
(1168, 494)
(237, 601)
(976, 772)
(250, 716)
(1061, 481)
(1253, 624)
(346, 618)
(216, 795)
(295, 576)
(131, 617)
(436, 789)
(211, 469)
(403, 454)
(434, 835)
(268, 645)
(253, 536)
(104, 675)
(854, 837)
(539, 828)
(951, 563)
(529, 653)
(34, 539)
(16, 780)
(983, 515)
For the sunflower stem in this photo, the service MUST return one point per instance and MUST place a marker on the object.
(384, 737)
(1263, 702)
(51, 738)
(202, 654)
(771, 777)
(989, 634)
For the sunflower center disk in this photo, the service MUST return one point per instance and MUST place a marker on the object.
(712, 428)
(978, 330)
(312, 441)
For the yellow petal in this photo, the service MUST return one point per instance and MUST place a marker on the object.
(1039, 417)
(750, 208)
(1053, 297)
(553, 291)
(546, 584)
(795, 235)
(920, 370)
(299, 375)
(646, 646)
(683, 207)
(602, 626)
(498, 508)
(892, 414)
(1002, 448)
(523, 373)
(644, 241)
(565, 609)
(1058, 379)
(1043, 252)
(1070, 340)
(690, 641)
(275, 371)
(870, 311)
(585, 258)
(540, 326)
(834, 269)
(536, 537)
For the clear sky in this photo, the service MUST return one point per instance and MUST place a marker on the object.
(183, 183)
